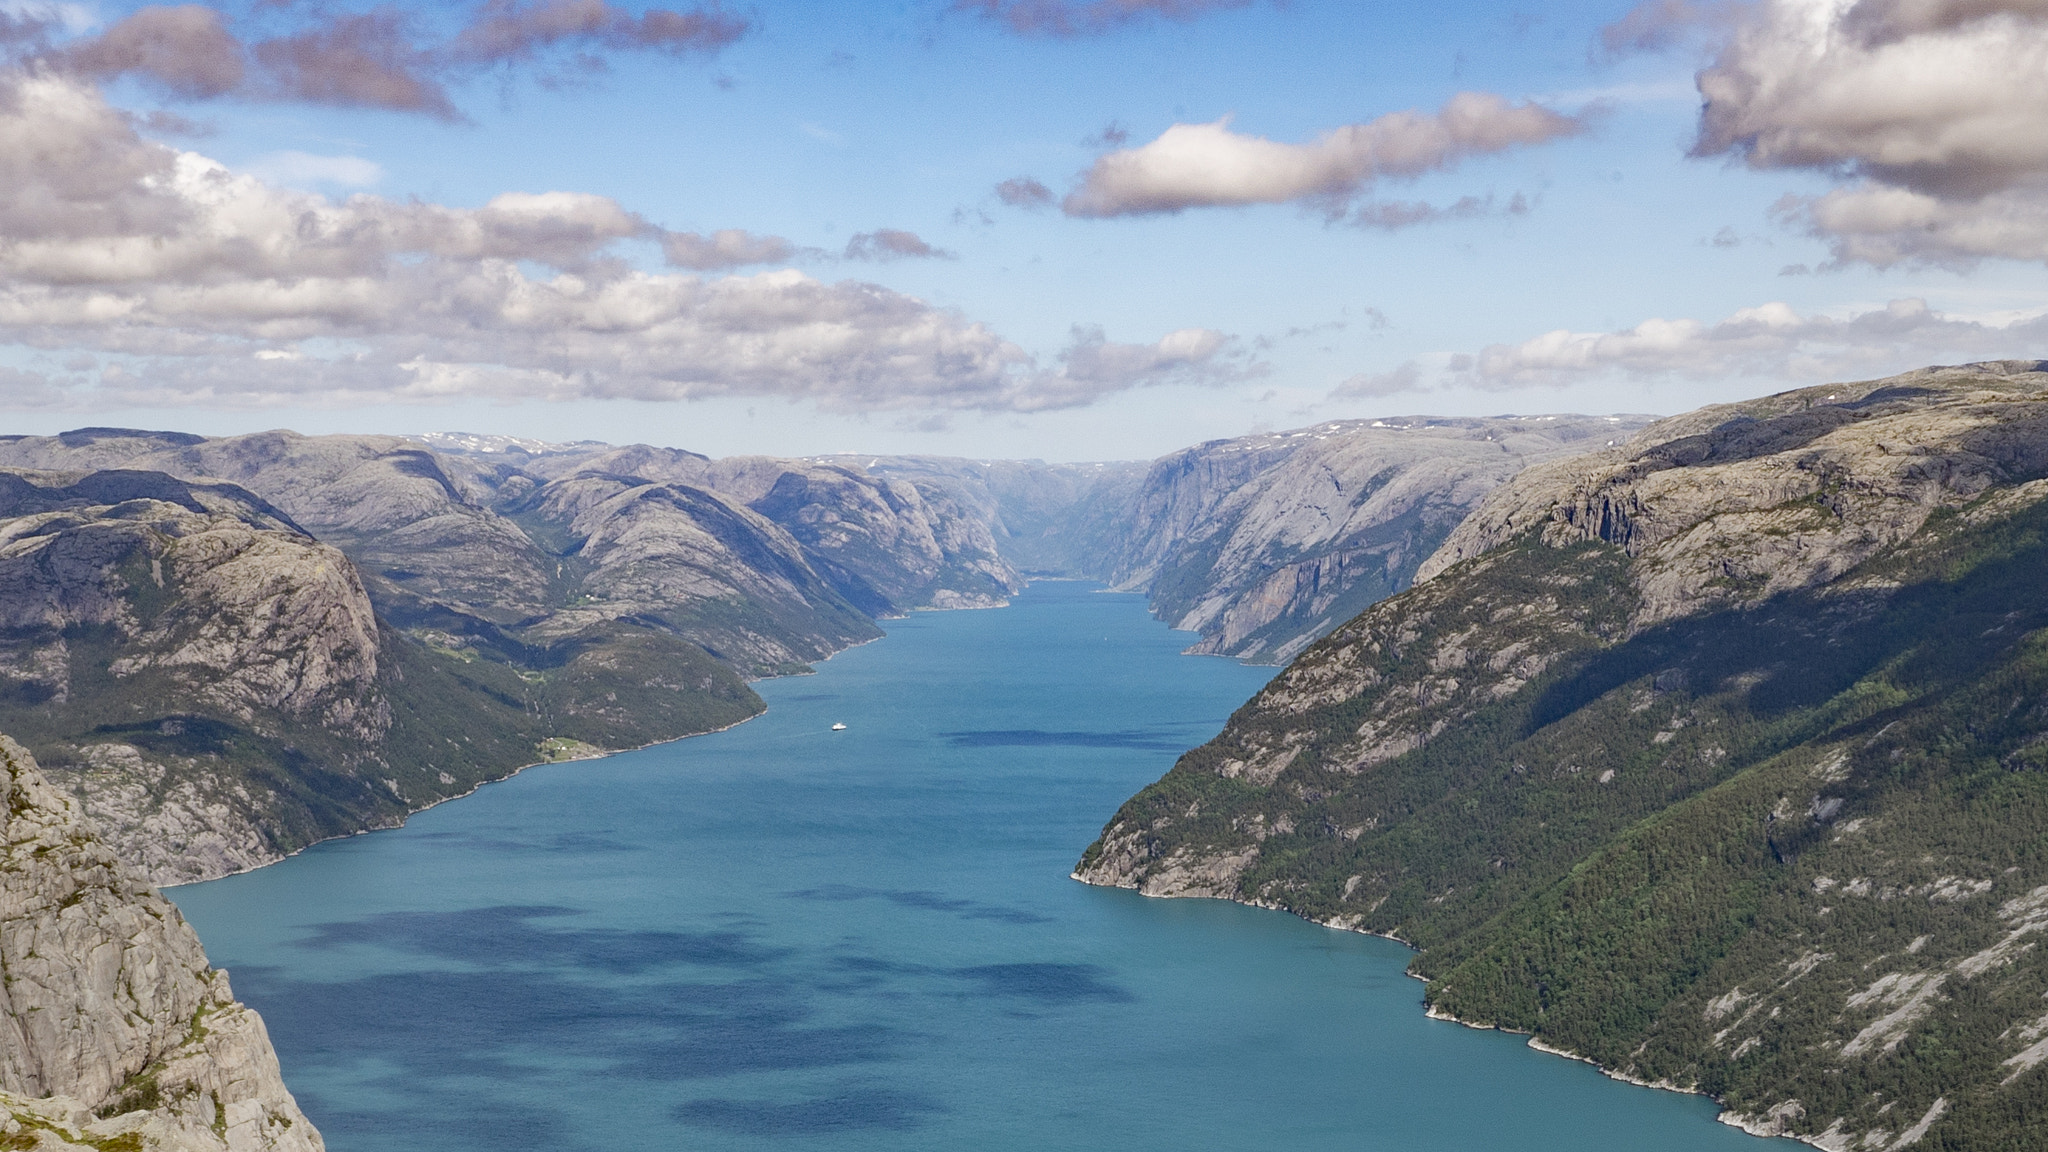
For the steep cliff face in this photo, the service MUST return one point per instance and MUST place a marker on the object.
(1063, 520)
(117, 1033)
(1717, 758)
(1263, 543)
(884, 544)
(133, 601)
(1740, 501)
(704, 565)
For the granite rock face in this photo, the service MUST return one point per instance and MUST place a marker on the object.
(1264, 543)
(467, 552)
(1737, 502)
(124, 590)
(887, 544)
(115, 1027)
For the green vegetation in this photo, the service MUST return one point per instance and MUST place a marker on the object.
(456, 719)
(1783, 853)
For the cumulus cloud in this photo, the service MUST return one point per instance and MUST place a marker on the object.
(1208, 165)
(1067, 18)
(1656, 25)
(893, 244)
(368, 60)
(725, 248)
(376, 59)
(193, 283)
(1930, 110)
(1772, 340)
(1092, 366)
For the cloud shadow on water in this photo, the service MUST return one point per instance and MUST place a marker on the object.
(921, 899)
(507, 935)
(1045, 983)
(1045, 738)
(849, 1110)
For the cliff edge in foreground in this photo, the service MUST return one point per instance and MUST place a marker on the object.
(115, 1034)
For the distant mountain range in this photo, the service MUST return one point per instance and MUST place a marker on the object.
(231, 648)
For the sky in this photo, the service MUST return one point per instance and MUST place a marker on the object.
(1054, 229)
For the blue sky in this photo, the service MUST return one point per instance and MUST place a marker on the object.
(816, 123)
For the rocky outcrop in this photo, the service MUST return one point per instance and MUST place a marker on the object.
(117, 1033)
(884, 543)
(1736, 502)
(131, 597)
(704, 565)
(1263, 543)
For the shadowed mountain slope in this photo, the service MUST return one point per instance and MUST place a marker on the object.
(1716, 757)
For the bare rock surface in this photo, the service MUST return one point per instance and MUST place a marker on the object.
(113, 1027)
(1736, 502)
(1264, 543)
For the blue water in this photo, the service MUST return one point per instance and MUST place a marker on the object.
(782, 937)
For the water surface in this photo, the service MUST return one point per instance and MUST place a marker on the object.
(783, 937)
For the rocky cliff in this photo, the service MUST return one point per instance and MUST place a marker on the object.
(118, 1036)
(1719, 757)
(887, 544)
(217, 688)
(1263, 543)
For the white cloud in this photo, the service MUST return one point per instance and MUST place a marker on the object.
(1934, 108)
(1771, 340)
(190, 271)
(1208, 165)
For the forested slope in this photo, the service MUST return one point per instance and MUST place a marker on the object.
(1720, 757)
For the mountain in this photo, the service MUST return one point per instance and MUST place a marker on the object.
(1263, 543)
(1718, 757)
(118, 1036)
(887, 545)
(220, 690)
(489, 560)
(1058, 520)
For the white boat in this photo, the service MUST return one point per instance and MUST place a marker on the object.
(839, 727)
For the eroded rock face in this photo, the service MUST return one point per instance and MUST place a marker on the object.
(125, 595)
(710, 567)
(1264, 543)
(1737, 502)
(111, 1020)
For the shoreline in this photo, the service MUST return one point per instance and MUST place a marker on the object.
(600, 754)
(1725, 1116)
